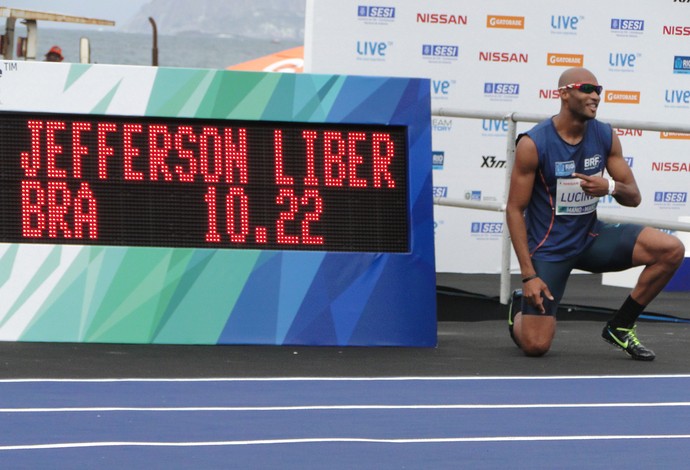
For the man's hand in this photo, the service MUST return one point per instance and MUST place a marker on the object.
(532, 293)
(593, 185)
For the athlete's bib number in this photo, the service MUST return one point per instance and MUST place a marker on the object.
(572, 200)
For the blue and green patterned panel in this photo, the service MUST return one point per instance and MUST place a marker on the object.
(77, 293)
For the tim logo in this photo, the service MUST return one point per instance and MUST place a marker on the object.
(668, 197)
(366, 11)
(438, 158)
(487, 227)
(592, 163)
(681, 64)
(437, 50)
(440, 191)
(501, 88)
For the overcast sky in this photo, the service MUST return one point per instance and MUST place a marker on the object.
(120, 11)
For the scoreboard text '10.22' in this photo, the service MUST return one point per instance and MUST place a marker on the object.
(172, 182)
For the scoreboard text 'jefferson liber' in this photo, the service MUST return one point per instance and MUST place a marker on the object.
(171, 182)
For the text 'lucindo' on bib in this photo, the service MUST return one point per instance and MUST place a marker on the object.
(572, 200)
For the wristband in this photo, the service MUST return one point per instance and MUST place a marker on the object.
(612, 186)
(529, 278)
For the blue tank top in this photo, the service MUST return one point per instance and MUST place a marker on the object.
(560, 216)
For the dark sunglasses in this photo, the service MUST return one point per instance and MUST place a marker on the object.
(585, 87)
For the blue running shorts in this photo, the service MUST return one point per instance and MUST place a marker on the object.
(611, 250)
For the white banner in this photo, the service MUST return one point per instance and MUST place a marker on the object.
(507, 56)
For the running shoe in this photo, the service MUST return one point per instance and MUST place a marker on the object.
(514, 306)
(626, 339)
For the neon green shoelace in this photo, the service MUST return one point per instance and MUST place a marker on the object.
(632, 337)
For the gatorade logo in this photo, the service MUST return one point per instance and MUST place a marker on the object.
(622, 97)
(505, 22)
(674, 135)
(565, 60)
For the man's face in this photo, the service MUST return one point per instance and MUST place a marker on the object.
(581, 100)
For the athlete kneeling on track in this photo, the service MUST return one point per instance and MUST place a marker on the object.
(551, 215)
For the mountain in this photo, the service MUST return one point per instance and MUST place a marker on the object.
(269, 19)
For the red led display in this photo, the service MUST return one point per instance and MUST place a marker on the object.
(170, 182)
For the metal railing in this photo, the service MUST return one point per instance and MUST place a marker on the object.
(512, 120)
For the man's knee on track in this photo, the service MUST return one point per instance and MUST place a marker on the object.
(535, 347)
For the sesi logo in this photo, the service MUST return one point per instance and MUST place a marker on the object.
(619, 24)
(375, 15)
(375, 12)
(670, 197)
(437, 50)
(501, 88)
(627, 28)
(440, 191)
(487, 227)
(440, 53)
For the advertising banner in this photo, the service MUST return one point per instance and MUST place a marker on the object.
(506, 56)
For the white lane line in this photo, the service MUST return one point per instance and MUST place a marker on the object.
(450, 440)
(351, 379)
(346, 407)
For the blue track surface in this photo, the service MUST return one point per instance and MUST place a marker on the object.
(555, 422)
